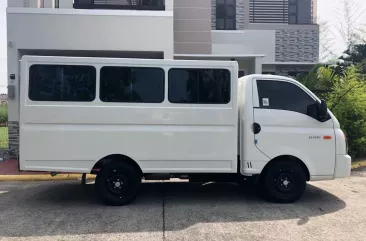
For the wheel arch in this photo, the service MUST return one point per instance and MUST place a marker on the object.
(289, 158)
(115, 158)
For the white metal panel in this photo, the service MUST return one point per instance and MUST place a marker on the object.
(248, 150)
(166, 137)
(343, 166)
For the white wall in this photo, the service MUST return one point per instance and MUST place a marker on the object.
(97, 30)
(23, 3)
(15, 3)
(169, 5)
(245, 42)
(71, 29)
(66, 4)
(49, 3)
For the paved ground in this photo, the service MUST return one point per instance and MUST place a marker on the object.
(333, 210)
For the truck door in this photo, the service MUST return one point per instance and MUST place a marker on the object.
(284, 126)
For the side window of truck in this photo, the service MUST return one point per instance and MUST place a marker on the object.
(132, 84)
(72, 83)
(282, 95)
(199, 86)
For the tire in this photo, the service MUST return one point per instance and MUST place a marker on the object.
(117, 184)
(283, 182)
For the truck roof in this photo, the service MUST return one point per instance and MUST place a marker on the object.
(267, 77)
(97, 60)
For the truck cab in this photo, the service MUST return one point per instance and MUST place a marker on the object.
(283, 121)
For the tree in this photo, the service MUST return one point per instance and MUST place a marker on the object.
(319, 80)
(326, 42)
(343, 85)
(354, 55)
(349, 23)
(348, 103)
(349, 28)
(346, 97)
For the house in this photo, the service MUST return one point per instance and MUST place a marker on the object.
(263, 36)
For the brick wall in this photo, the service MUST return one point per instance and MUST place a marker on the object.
(13, 131)
(297, 45)
(240, 14)
(213, 14)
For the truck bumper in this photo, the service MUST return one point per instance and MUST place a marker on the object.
(343, 166)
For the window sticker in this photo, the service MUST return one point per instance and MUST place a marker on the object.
(265, 101)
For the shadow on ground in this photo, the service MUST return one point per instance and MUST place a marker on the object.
(67, 208)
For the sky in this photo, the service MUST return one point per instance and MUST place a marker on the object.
(329, 11)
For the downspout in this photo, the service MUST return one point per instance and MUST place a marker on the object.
(56, 3)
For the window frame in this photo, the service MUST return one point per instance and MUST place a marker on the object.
(135, 67)
(309, 94)
(224, 8)
(199, 103)
(95, 69)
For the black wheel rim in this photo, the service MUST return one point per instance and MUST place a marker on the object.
(117, 183)
(284, 180)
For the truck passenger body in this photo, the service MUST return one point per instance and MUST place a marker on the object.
(128, 119)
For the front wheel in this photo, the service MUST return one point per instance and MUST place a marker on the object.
(283, 182)
(117, 183)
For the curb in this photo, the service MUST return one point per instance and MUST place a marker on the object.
(45, 177)
(358, 164)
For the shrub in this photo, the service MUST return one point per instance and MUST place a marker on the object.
(347, 101)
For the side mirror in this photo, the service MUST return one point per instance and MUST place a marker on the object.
(322, 111)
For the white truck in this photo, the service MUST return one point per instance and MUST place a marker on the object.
(131, 119)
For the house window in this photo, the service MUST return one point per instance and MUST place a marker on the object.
(226, 14)
(268, 11)
(292, 12)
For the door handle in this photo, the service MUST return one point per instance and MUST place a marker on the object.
(256, 128)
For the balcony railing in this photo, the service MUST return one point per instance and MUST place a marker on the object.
(154, 5)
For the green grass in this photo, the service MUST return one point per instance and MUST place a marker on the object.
(3, 113)
(4, 137)
(3, 130)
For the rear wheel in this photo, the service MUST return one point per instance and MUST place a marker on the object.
(118, 183)
(283, 182)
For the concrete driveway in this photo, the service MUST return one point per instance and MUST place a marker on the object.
(333, 210)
